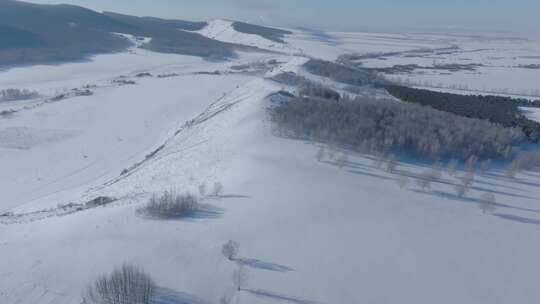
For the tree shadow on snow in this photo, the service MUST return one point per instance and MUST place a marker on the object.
(169, 296)
(519, 219)
(278, 297)
(473, 200)
(204, 211)
(258, 264)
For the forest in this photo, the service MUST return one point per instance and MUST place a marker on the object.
(386, 126)
(496, 109)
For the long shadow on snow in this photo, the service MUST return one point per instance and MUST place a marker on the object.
(369, 174)
(472, 200)
(278, 297)
(204, 212)
(169, 296)
(519, 219)
(515, 180)
(254, 263)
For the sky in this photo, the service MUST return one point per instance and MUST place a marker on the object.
(494, 15)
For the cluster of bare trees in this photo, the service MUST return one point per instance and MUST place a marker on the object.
(125, 285)
(386, 126)
(170, 205)
(17, 94)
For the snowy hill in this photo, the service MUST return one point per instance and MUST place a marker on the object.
(122, 127)
(224, 30)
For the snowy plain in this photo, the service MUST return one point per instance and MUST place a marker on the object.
(309, 231)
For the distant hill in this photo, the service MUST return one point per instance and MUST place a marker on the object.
(36, 33)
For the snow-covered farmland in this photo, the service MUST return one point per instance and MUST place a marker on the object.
(309, 231)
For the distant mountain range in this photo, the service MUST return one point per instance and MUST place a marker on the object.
(36, 33)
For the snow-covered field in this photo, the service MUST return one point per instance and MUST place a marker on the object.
(503, 66)
(309, 231)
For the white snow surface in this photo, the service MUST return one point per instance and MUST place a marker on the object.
(309, 231)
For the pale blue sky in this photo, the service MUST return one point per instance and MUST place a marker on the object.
(515, 15)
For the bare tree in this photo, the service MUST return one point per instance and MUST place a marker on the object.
(230, 250)
(128, 284)
(487, 202)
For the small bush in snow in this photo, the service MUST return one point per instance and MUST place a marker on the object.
(230, 250)
(126, 285)
(170, 205)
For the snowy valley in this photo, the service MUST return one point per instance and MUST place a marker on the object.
(314, 222)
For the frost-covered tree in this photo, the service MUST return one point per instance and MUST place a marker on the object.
(385, 126)
(487, 202)
(230, 250)
(403, 181)
(424, 181)
(391, 164)
(512, 169)
(461, 190)
(452, 167)
(218, 189)
(341, 161)
(202, 189)
(321, 153)
(436, 171)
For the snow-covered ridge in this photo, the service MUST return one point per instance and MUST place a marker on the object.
(223, 30)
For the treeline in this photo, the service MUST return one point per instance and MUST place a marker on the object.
(343, 73)
(306, 86)
(386, 126)
(496, 109)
